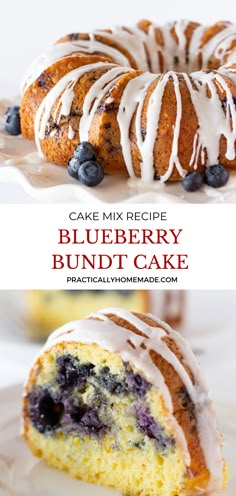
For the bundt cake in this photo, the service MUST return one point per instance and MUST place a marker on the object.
(118, 399)
(48, 309)
(155, 102)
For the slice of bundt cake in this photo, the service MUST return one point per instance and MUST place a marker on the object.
(48, 309)
(118, 399)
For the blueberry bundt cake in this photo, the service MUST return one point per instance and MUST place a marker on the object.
(48, 309)
(155, 102)
(118, 399)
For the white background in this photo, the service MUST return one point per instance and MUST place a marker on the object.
(28, 27)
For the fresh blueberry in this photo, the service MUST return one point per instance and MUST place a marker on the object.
(45, 413)
(84, 152)
(90, 173)
(192, 181)
(15, 109)
(216, 176)
(73, 167)
(12, 124)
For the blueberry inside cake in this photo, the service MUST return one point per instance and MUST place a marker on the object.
(118, 399)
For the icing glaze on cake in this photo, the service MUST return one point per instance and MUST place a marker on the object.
(135, 348)
(183, 63)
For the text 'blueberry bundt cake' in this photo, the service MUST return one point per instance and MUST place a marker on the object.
(118, 399)
(155, 102)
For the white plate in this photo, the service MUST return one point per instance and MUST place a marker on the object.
(20, 164)
(21, 474)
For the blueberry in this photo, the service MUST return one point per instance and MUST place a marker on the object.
(216, 176)
(90, 173)
(81, 419)
(84, 419)
(84, 152)
(71, 373)
(152, 429)
(111, 382)
(78, 413)
(73, 167)
(90, 423)
(45, 413)
(15, 109)
(138, 385)
(67, 370)
(86, 370)
(192, 181)
(12, 125)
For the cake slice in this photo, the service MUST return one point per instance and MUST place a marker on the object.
(49, 309)
(118, 399)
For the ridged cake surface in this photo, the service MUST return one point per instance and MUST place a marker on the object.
(156, 102)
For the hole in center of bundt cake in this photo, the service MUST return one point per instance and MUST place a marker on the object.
(83, 399)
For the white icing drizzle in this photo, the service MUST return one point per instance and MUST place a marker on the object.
(133, 98)
(194, 48)
(64, 87)
(214, 121)
(231, 58)
(106, 334)
(62, 50)
(94, 96)
(172, 49)
(132, 39)
(218, 44)
(174, 157)
(153, 49)
(71, 132)
(229, 71)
